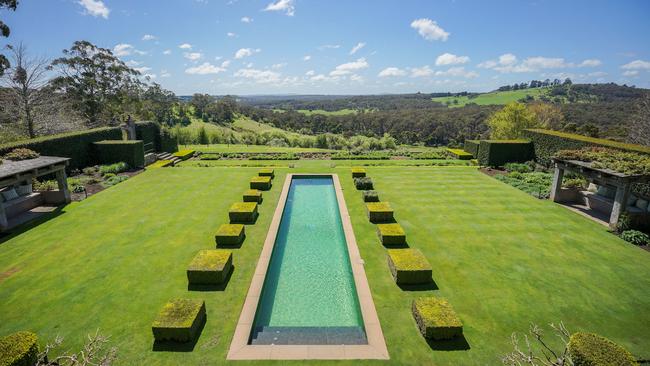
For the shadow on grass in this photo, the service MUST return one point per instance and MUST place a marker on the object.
(22, 228)
(455, 344)
(207, 288)
(422, 287)
(171, 346)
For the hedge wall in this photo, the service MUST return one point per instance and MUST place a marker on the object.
(130, 152)
(547, 143)
(149, 133)
(471, 146)
(498, 152)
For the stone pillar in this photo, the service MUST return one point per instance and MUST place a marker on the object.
(620, 204)
(4, 224)
(62, 180)
(557, 183)
(128, 129)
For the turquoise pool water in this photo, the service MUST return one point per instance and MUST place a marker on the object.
(309, 295)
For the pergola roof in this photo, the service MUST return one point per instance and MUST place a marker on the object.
(589, 171)
(12, 172)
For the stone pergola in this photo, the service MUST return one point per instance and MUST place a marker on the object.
(16, 172)
(622, 182)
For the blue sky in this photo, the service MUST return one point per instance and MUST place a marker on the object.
(350, 47)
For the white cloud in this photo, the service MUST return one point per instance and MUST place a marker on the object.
(310, 73)
(631, 73)
(508, 63)
(259, 76)
(167, 52)
(590, 63)
(285, 6)
(246, 19)
(349, 67)
(245, 52)
(597, 74)
(430, 30)
(321, 77)
(451, 59)
(148, 37)
(204, 69)
(507, 59)
(637, 65)
(225, 64)
(356, 48)
(165, 74)
(391, 71)
(231, 34)
(96, 8)
(142, 69)
(122, 49)
(424, 71)
(132, 63)
(279, 66)
(458, 71)
(539, 62)
(192, 56)
(306, 58)
(329, 46)
(356, 77)
(185, 46)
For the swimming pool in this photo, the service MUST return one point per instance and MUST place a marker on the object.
(309, 298)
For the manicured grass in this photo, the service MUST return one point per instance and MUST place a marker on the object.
(499, 97)
(238, 148)
(500, 257)
(321, 164)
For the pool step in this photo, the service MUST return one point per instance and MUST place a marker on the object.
(309, 335)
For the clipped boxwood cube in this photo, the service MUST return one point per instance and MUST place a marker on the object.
(19, 349)
(261, 183)
(379, 212)
(253, 195)
(436, 319)
(592, 349)
(230, 235)
(363, 183)
(210, 267)
(358, 172)
(370, 196)
(180, 320)
(409, 266)
(266, 172)
(391, 234)
(243, 213)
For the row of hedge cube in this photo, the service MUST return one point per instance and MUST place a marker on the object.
(434, 317)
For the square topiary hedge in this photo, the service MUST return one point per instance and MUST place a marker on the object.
(591, 349)
(363, 183)
(358, 172)
(261, 183)
(472, 146)
(180, 320)
(253, 195)
(460, 154)
(409, 266)
(436, 318)
(370, 196)
(243, 213)
(266, 172)
(115, 151)
(391, 234)
(184, 154)
(19, 349)
(210, 267)
(379, 212)
(496, 153)
(230, 235)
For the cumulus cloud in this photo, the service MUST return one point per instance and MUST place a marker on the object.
(225, 64)
(451, 59)
(96, 8)
(631, 73)
(391, 71)
(278, 66)
(310, 73)
(418, 72)
(349, 67)
(356, 78)
(356, 48)
(148, 37)
(192, 56)
(142, 69)
(231, 34)
(167, 52)
(508, 63)
(165, 74)
(590, 63)
(286, 6)
(246, 19)
(185, 46)
(329, 46)
(123, 49)
(205, 68)
(245, 52)
(306, 58)
(259, 76)
(429, 30)
(637, 65)
(458, 71)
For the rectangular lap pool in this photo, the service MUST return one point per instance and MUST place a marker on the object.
(309, 298)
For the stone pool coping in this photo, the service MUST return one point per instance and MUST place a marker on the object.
(376, 347)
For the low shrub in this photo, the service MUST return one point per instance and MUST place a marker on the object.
(370, 196)
(358, 172)
(460, 154)
(46, 185)
(161, 164)
(19, 349)
(536, 184)
(635, 237)
(210, 156)
(588, 349)
(379, 212)
(631, 163)
(77, 185)
(184, 154)
(252, 195)
(91, 170)
(179, 320)
(266, 172)
(117, 179)
(21, 154)
(391, 234)
(243, 213)
(210, 267)
(113, 168)
(518, 167)
(363, 183)
(436, 318)
(409, 266)
(283, 156)
(230, 235)
(261, 183)
(430, 155)
(366, 156)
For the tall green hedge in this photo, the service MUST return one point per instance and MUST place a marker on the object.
(547, 143)
(149, 133)
(130, 152)
(471, 146)
(499, 152)
(19, 349)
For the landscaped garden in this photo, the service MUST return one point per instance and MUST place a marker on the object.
(501, 258)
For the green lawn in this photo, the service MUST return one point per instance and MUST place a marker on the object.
(502, 258)
(240, 148)
(498, 97)
(319, 164)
